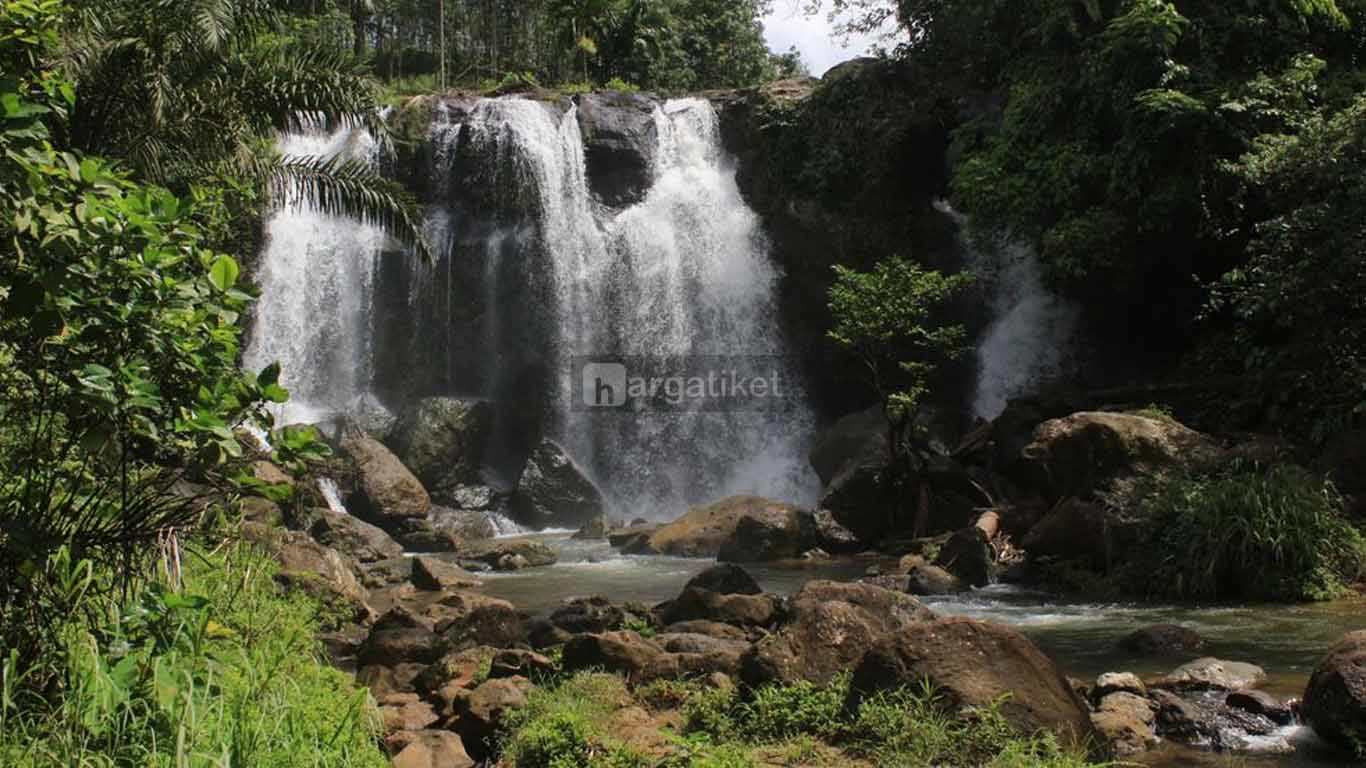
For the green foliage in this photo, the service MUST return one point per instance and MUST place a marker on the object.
(886, 318)
(801, 724)
(565, 725)
(222, 672)
(776, 713)
(1246, 534)
(1109, 156)
(190, 95)
(1295, 308)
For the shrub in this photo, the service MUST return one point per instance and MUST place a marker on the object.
(566, 725)
(779, 712)
(1278, 534)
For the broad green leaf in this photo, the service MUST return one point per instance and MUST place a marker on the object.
(224, 272)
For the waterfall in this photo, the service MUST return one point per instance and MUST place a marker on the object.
(531, 273)
(1031, 335)
(315, 275)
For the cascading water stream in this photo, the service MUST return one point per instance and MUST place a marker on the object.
(1032, 331)
(532, 273)
(316, 276)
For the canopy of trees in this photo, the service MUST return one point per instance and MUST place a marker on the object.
(658, 44)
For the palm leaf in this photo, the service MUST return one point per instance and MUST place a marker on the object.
(345, 187)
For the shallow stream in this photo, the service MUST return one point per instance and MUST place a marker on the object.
(1082, 637)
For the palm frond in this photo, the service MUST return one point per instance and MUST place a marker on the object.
(345, 187)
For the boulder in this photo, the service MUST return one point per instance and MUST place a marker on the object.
(503, 554)
(442, 440)
(263, 511)
(1082, 453)
(387, 573)
(622, 652)
(453, 672)
(619, 538)
(400, 636)
(463, 524)
(352, 536)
(706, 531)
(708, 628)
(968, 555)
(620, 135)
(725, 579)
(475, 498)
(1162, 640)
(769, 535)
(1262, 703)
(973, 664)
(1335, 698)
(429, 749)
(468, 619)
(857, 439)
(423, 535)
(314, 569)
(1084, 530)
(270, 474)
(384, 680)
(480, 713)
(1126, 722)
(747, 611)
(406, 712)
(1212, 674)
(441, 576)
(832, 626)
(387, 492)
(582, 615)
(931, 580)
(554, 492)
(520, 663)
(593, 530)
(1118, 682)
(833, 537)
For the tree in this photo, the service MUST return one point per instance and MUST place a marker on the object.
(192, 91)
(886, 318)
(119, 337)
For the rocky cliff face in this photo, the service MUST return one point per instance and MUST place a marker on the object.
(843, 170)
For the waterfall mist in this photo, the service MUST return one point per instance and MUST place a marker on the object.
(1031, 335)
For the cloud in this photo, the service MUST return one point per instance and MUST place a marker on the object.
(787, 26)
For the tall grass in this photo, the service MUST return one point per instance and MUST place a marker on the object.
(223, 673)
(1278, 534)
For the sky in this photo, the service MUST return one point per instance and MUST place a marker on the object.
(787, 26)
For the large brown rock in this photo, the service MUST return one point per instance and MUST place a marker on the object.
(1083, 530)
(469, 619)
(400, 637)
(509, 554)
(831, 627)
(1212, 674)
(1162, 640)
(387, 492)
(1084, 452)
(1126, 722)
(429, 749)
(314, 569)
(973, 664)
(440, 575)
(352, 536)
(756, 611)
(725, 579)
(705, 531)
(1335, 699)
(480, 713)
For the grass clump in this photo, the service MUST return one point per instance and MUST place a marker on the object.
(1278, 534)
(566, 726)
(225, 671)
